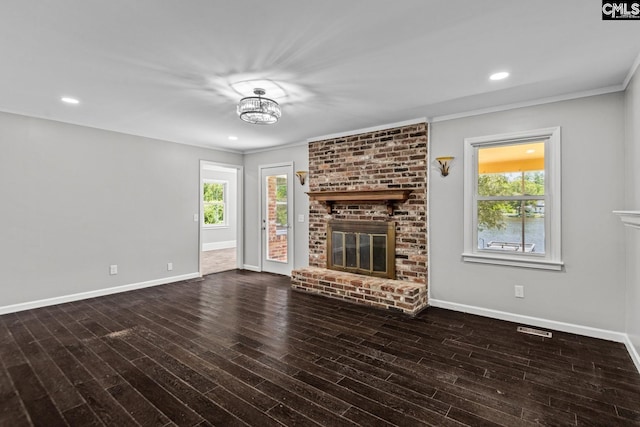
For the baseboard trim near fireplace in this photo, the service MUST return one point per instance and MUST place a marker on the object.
(92, 294)
(632, 352)
(533, 321)
(544, 323)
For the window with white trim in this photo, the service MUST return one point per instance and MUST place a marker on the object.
(512, 199)
(214, 202)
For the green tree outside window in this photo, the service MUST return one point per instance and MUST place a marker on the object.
(214, 203)
(281, 201)
(491, 213)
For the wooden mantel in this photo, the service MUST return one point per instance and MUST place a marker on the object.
(388, 196)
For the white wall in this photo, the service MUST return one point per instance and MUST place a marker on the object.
(77, 199)
(299, 155)
(632, 202)
(221, 237)
(591, 290)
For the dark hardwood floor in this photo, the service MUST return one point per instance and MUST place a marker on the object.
(239, 348)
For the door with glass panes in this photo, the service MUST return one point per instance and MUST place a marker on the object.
(277, 218)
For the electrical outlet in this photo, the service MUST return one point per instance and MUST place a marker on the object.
(169, 266)
(519, 290)
(113, 269)
(301, 218)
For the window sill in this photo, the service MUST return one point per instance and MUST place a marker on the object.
(215, 227)
(526, 262)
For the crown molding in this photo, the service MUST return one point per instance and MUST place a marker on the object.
(631, 72)
(275, 147)
(541, 101)
(367, 130)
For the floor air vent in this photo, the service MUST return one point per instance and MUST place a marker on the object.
(532, 331)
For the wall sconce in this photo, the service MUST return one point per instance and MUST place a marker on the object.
(302, 175)
(444, 163)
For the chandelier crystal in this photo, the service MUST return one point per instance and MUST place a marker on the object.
(258, 110)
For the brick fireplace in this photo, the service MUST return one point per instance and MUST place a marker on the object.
(363, 174)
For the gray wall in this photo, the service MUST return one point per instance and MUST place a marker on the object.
(632, 180)
(228, 233)
(77, 199)
(591, 290)
(299, 155)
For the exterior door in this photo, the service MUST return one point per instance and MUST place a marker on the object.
(277, 218)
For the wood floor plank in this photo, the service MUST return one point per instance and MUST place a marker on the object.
(238, 407)
(366, 404)
(82, 415)
(68, 350)
(188, 375)
(172, 407)
(240, 348)
(137, 406)
(53, 380)
(10, 352)
(104, 406)
(286, 390)
(37, 402)
(308, 409)
(207, 409)
(11, 407)
(408, 394)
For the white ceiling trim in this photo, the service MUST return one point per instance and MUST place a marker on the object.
(208, 147)
(631, 72)
(277, 147)
(367, 130)
(71, 123)
(541, 101)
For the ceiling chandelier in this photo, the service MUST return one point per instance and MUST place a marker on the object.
(258, 110)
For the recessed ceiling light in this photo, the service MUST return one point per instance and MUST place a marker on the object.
(530, 151)
(233, 138)
(499, 76)
(69, 100)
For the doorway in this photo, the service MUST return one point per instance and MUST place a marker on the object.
(220, 217)
(276, 218)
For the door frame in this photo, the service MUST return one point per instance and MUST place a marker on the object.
(290, 238)
(239, 211)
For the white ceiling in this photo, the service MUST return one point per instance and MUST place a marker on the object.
(163, 68)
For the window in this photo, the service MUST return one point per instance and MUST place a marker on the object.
(281, 204)
(214, 197)
(512, 199)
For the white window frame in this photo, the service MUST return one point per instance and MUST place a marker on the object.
(225, 189)
(551, 259)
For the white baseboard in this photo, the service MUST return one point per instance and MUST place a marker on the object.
(251, 267)
(632, 352)
(92, 294)
(533, 321)
(213, 246)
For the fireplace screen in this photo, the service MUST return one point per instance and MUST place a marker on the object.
(363, 247)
